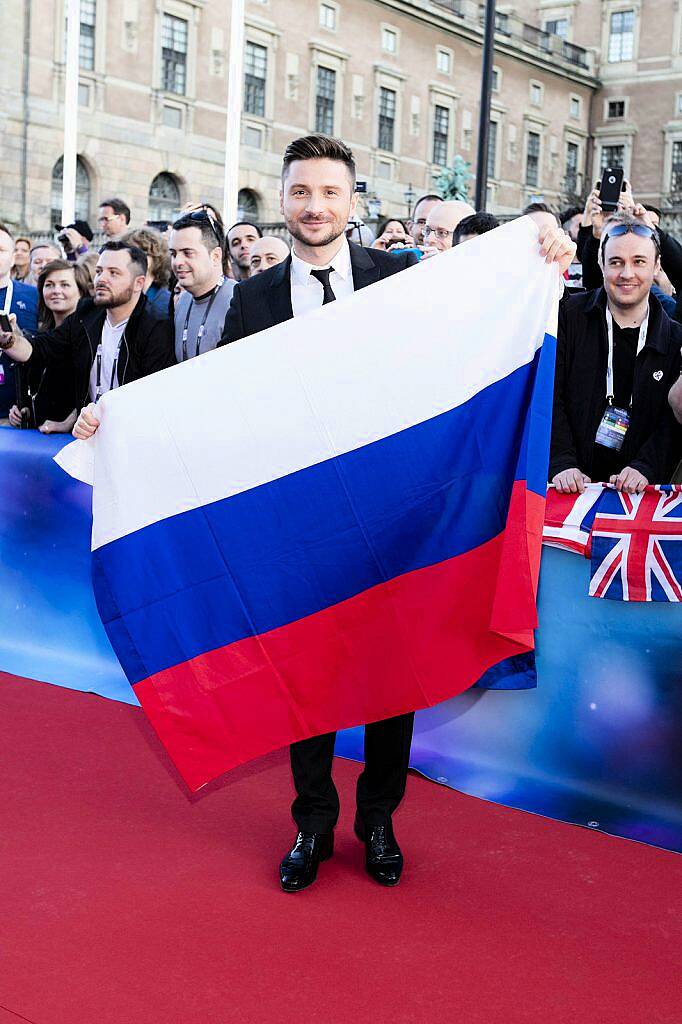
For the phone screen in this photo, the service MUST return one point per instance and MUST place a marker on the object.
(5, 323)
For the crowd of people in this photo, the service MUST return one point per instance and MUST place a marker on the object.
(92, 316)
(78, 323)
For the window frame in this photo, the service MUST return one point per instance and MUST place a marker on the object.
(185, 54)
(259, 86)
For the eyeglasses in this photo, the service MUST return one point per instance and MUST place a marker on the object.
(643, 230)
(207, 215)
(440, 233)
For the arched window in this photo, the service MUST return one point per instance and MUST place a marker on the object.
(247, 205)
(164, 197)
(82, 191)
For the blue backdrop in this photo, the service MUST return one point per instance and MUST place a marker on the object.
(597, 743)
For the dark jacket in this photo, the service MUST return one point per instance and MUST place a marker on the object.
(653, 441)
(671, 262)
(265, 300)
(147, 346)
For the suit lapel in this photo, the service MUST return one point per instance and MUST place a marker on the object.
(279, 293)
(365, 270)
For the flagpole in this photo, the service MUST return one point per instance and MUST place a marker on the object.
(234, 113)
(484, 112)
(70, 112)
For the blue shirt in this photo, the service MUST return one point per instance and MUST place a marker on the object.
(25, 305)
(667, 301)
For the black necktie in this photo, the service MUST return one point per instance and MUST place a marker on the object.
(323, 277)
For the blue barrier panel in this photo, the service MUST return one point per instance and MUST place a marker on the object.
(597, 743)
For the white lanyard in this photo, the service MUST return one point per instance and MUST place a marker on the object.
(609, 366)
(8, 297)
(98, 359)
(202, 326)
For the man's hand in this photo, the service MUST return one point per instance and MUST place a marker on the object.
(15, 415)
(629, 480)
(428, 251)
(644, 215)
(594, 215)
(87, 423)
(556, 245)
(571, 481)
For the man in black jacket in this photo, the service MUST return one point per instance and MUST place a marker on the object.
(618, 355)
(318, 199)
(110, 340)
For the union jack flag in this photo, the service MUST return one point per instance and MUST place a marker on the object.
(637, 545)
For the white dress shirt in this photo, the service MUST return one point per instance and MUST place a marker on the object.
(307, 292)
(107, 355)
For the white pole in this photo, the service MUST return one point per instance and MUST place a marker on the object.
(73, 29)
(234, 113)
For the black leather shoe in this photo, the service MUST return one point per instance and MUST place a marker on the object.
(383, 858)
(298, 870)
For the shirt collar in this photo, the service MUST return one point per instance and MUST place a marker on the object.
(300, 270)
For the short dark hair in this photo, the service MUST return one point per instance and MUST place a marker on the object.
(568, 214)
(319, 147)
(245, 223)
(211, 230)
(422, 199)
(625, 218)
(138, 258)
(118, 206)
(476, 224)
(6, 230)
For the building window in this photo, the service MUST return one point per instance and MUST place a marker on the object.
(533, 159)
(328, 17)
(615, 108)
(82, 191)
(387, 104)
(389, 40)
(86, 49)
(324, 101)
(557, 27)
(255, 71)
(172, 116)
(536, 94)
(174, 54)
(612, 156)
(621, 36)
(679, 103)
(247, 205)
(444, 62)
(575, 107)
(441, 131)
(571, 176)
(495, 85)
(676, 169)
(164, 198)
(492, 149)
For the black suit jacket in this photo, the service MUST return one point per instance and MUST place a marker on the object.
(265, 300)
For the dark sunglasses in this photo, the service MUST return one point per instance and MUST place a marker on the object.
(636, 229)
(207, 215)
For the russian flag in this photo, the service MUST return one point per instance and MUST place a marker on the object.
(337, 520)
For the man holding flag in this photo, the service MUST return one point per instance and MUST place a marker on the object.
(302, 607)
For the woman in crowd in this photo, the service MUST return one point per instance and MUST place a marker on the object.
(392, 232)
(155, 247)
(50, 397)
(21, 266)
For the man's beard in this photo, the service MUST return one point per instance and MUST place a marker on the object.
(334, 233)
(111, 301)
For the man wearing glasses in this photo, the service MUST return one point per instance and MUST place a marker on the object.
(196, 250)
(618, 356)
(441, 223)
(113, 218)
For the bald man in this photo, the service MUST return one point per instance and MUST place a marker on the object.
(441, 222)
(266, 252)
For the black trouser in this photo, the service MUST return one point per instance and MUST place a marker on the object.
(380, 786)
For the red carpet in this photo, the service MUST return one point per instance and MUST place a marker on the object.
(125, 901)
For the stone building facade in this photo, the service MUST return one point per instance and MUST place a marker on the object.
(576, 82)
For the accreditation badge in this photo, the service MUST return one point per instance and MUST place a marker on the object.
(613, 427)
